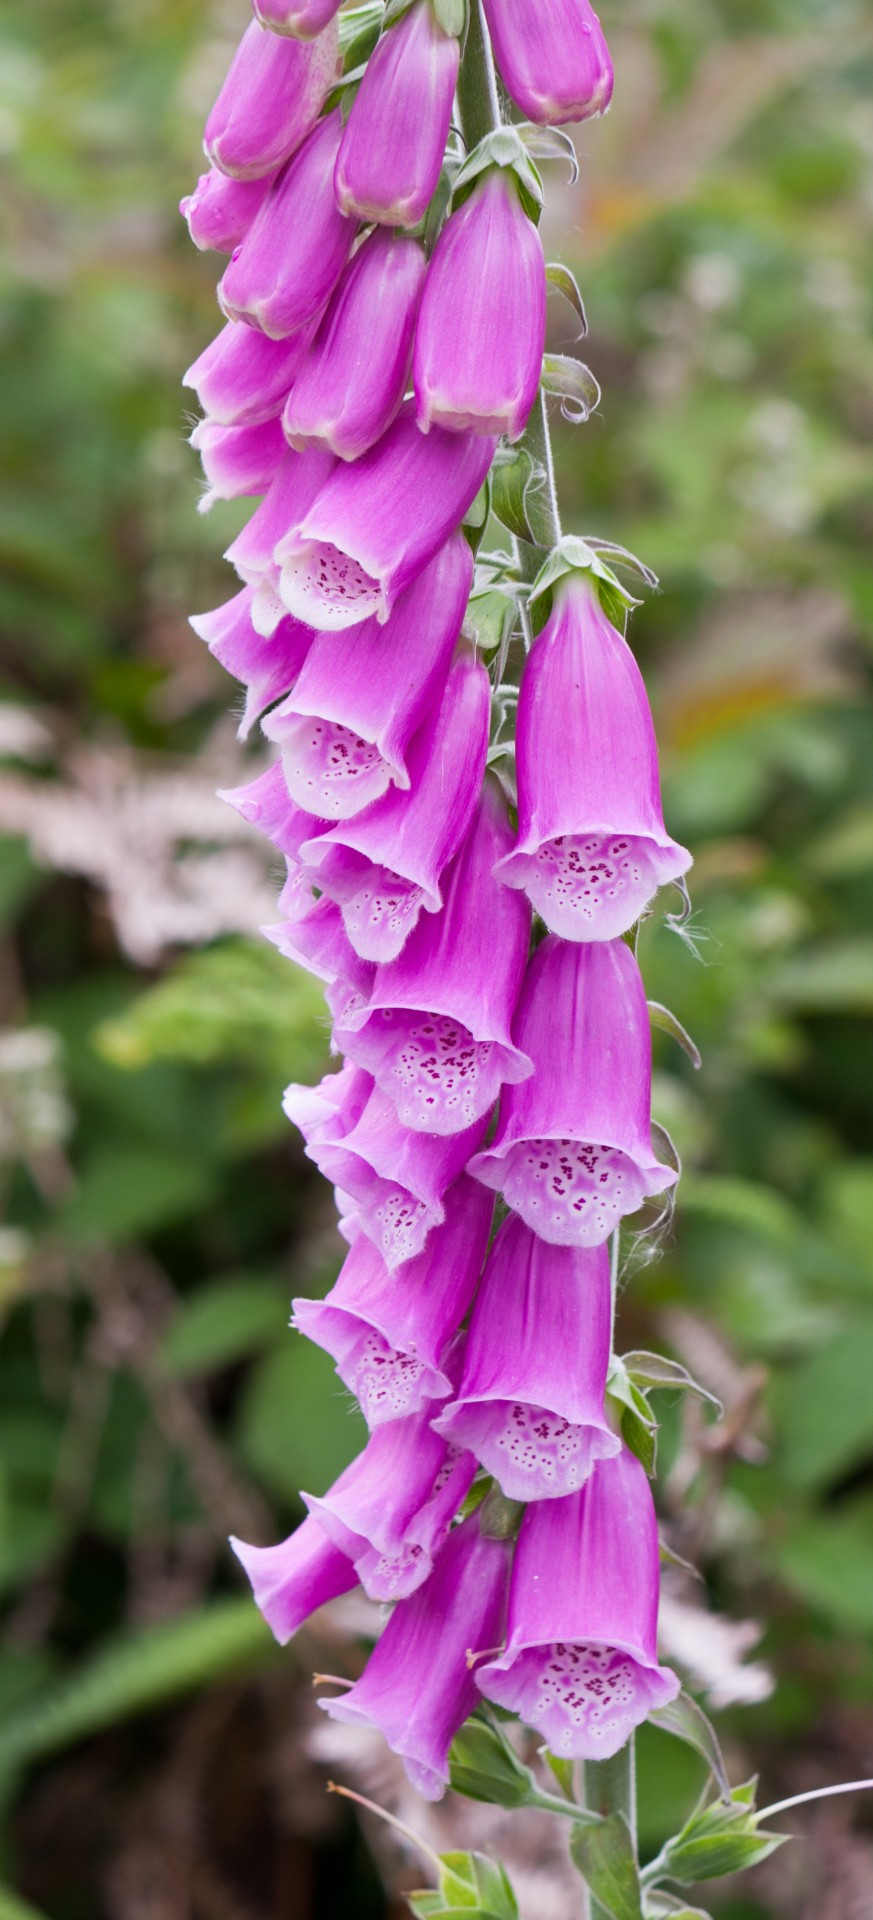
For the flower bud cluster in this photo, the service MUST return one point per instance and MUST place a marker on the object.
(385, 324)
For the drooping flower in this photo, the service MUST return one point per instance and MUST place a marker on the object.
(482, 326)
(238, 462)
(391, 1510)
(219, 211)
(592, 846)
(359, 544)
(392, 149)
(299, 479)
(553, 58)
(436, 1029)
(285, 271)
(267, 668)
(389, 1333)
(303, 19)
(531, 1400)
(384, 867)
(312, 934)
(417, 1687)
(355, 374)
(581, 1662)
(243, 376)
(347, 731)
(292, 1580)
(573, 1148)
(267, 805)
(272, 96)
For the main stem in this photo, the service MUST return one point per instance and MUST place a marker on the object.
(606, 1786)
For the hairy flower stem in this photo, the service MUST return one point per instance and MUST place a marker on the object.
(606, 1786)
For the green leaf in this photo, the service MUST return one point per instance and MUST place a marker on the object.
(128, 1191)
(574, 382)
(512, 477)
(719, 1838)
(296, 1426)
(484, 1767)
(828, 1560)
(491, 618)
(237, 1000)
(835, 977)
(825, 1411)
(667, 1022)
(471, 1885)
(688, 1722)
(224, 1321)
(561, 277)
(666, 1906)
(13, 1908)
(655, 1370)
(605, 1858)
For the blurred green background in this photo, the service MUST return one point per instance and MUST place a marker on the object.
(157, 1757)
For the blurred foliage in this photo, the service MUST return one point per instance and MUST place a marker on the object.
(158, 1215)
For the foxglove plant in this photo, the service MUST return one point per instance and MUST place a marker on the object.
(468, 900)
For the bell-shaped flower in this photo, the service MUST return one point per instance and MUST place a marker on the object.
(393, 1182)
(395, 139)
(384, 867)
(355, 374)
(295, 1578)
(313, 936)
(390, 1335)
(238, 462)
(347, 730)
(482, 325)
(243, 377)
(274, 92)
(592, 846)
(531, 1400)
(283, 274)
(267, 668)
(298, 481)
(359, 545)
(553, 58)
(219, 211)
(573, 1148)
(392, 1508)
(436, 1030)
(303, 19)
(267, 805)
(417, 1686)
(581, 1661)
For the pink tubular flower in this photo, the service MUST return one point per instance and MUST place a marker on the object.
(243, 377)
(384, 867)
(347, 730)
(294, 1579)
(573, 1148)
(238, 462)
(553, 58)
(435, 1031)
(482, 327)
(392, 1183)
(389, 1335)
(354, 377)
(360, 543)
(392, 149)
(272, 97)
(530, 1403)
(417, 1687)
(302, 19)
(298, 481)
(220, 211)
(581, 1662)
(267, 668)
(592, 846)
(266, 805)
(392, 1508)
(314, 937)
(283, 275)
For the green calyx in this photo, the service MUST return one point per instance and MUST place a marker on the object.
(504, 148)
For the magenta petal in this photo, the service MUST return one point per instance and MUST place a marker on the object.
(316, 939)
(220, 211)
(531, 1400)
(358, 545)
(285, 271)
(267, 668)
(389, 1335)
(573, 1148)
(592, 846)
(384, 866)
(294, 1579)
(346, 733)
(238, 461)
(354, 377)
(435, 1032)
(243, 377)
(482, 327)
(417, 1687)
(553, 58)
(301, 18)
(265, 804)
(581, 1662)
(297, 482)
(274, 92)
(393, 146)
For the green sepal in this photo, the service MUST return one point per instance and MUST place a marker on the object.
(514, 476)
(563, 1771)
(719, 1838)
(639, 1428)
(483, 1766)
(491, 617)
(503, 148)
(549, 143)
(606, 1860)
(648, 1370)
(686, 1721)
(574, 555)
(359, 24)
(574, 383)
(477, 516)
(661, 1017)
(451, 15)
(470, 1885)
(500, 1518)
(566, 283)
(394, 11)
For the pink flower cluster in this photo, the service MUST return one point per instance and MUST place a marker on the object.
(490, 1015)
